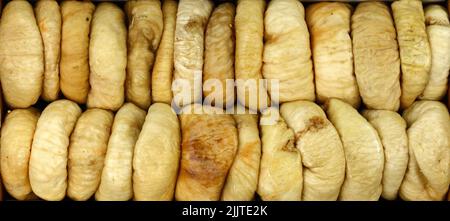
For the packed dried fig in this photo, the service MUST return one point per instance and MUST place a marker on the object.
(116, 182)
(87, 150)
(392, 131)
(21, 55)
(363, 152)
(49, 151)
(48, 18)
(376, 57)
(74, 64)
(280, 176)
(156, 155)
(16, 138)
(145, 26)
(321, 149)
(163, 69)
(415, 52)
(329, 26)
(107, 57)
(208, 147)
(287, 53)
(219, 57)
(428, 173)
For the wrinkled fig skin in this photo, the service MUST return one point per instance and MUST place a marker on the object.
(249, 25)
(363, 152)
(116, 181)
(208, 148)
(163, 68)
(49, 151)
(428, 173)
(108, 57)
(219, 56)
(74, 64)
(145, 28)
(321, 149)
(156, 155)
(438, 30)
(48, 17)
(415, 52)
(87, 149)
(192, 18)
(391, 128)
(287, 53)
(242, 179)
(17, 136)
(329, 26)
(376, 57)
(21, 55)
(280, 176)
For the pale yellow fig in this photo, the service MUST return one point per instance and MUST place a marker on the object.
(428, 173)
(145, 26)
(208, 147)
(331, 44)
(17, 136)
(156, 155)
(249, 26)
(242, 180)
(363, 152)
(219, 57)
(280, 175)
(107, 57)
(163, 67)
(49, 151)
(438, 30)
(87, 150)
(415, 52)
(116, 182)
(321, 149)
(48, 18)
(376, 56)
(192, 18)
(391, 128)
(287, 53)
(21, 55)
(74, 64)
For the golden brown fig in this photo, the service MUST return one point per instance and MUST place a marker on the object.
(192, 17)
(116, 181)
(87, 150)
(428, 173)
(376, 57)
(208, 148)
(219, 57)
(329, 25)
(249, 24)
(242, 180)
(107, 57)
(156, 155)
(48, 17)
(280, 176)
(17, 136)
(415, 52)
(392, 130)
(163, 68)
(321, 149)
(48, 160)
(21, 55)
(74, 65)
(287, 53)
(438, 31)
(363, 152)
(145, 21)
